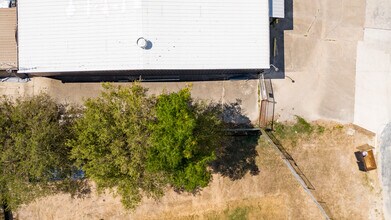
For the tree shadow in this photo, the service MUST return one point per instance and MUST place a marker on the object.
(77, 188)
(83, 189)
(237, 155)
(77, 185)
(233, 116)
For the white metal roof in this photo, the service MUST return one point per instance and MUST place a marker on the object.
(277, 8)
(94, 35)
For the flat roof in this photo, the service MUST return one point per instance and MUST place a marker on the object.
(99, 35)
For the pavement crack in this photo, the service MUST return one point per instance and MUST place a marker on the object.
(313, 22)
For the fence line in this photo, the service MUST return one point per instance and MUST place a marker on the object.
(297, 173)
(266, 118)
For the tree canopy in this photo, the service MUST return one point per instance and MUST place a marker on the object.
(111, 141)
(126, 140)
(139, 144)
(33, 153)
(184, 138)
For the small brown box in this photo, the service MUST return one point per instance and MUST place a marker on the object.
(367, 158)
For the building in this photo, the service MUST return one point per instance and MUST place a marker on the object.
(8, 49)
(144, 38)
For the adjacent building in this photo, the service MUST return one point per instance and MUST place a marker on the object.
(8, 48)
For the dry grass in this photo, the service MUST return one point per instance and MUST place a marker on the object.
(326, 157)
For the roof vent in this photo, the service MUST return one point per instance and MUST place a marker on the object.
(142, 43)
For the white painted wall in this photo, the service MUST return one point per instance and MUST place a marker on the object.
(91, 35)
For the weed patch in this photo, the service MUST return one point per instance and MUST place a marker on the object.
(240, 213)
(299, 129)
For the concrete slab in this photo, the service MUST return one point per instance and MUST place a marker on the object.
(385, 148)
(244, 93)
(373, 95)
(320, 55)
(329, 19)
(378, 14)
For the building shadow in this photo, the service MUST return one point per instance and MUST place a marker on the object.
(277, 49)
(237, 155)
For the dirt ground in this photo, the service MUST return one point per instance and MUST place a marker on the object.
(272, 194)
(327, 159)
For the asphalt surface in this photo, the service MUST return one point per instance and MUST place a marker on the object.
(385, 149)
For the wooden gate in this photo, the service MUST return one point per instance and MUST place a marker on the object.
(267, 103)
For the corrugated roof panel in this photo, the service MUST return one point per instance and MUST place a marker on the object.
(8, 49)
(96, 35)
(277, 8)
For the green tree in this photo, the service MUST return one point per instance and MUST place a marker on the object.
(33, 153)
(138, 144)
(184, 139)
(111, 142)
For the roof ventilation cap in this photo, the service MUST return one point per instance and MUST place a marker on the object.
(142, 43)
